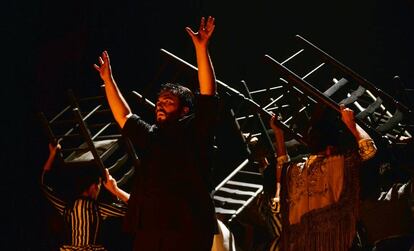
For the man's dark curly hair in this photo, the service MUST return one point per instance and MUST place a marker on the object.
(184, 94)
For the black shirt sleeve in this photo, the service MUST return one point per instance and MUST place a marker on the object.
(137, 130)
(206, 114)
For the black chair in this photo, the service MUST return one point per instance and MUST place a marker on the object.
(89, 135)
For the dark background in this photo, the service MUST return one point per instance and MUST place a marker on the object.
(50, 46)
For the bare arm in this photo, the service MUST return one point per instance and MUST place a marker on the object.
(49, 162)
(348, 118)
(279, 137)
(119, 107)
(206, 75)
(112, 187)
(367, 148)
(280, 151)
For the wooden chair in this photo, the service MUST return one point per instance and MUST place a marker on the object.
(89, 135)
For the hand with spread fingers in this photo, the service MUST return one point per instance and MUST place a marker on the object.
(119, 107)
(206, 75)
(202, 36)
(104, 68)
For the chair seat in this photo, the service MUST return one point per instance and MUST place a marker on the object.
(101, 146)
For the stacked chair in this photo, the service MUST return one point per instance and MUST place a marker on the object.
(89, 135)
(324, 80)
(306, 78)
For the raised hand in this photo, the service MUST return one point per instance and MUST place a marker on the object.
(53, 149)
(111, 185)
(276, 129)
(202, 36)
(279, 137)
(347, 116)
(104, 68)
(206, 75)
(110, 182)
(49, 162)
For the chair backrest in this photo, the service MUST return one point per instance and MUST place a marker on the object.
(89, 135)
(323, 80)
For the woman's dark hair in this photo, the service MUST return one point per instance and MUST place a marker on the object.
(84, 177)
(184, 94)
(327, 129)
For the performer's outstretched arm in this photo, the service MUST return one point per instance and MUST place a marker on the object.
(49, 162)
(119, 107)
(281, 152)
(111, 185)
(367, 148)
(206, 75)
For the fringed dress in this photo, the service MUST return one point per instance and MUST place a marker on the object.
(320, 200)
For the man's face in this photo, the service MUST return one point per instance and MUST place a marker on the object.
(168, 108)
